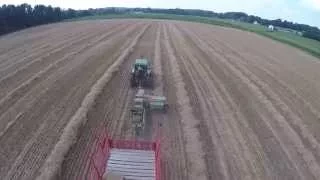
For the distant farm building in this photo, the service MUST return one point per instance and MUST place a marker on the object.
(255, 22)
(270, 28)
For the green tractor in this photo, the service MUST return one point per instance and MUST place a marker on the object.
(141, 74)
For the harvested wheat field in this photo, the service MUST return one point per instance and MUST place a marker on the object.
(241, 106)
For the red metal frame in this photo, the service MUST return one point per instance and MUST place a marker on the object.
(158, 160)
(98, 159)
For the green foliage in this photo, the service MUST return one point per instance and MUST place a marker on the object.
(312, 35)
(308, 31)
(18, 17)
(306, 44)
(14, 18)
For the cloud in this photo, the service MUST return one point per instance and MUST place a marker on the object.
(314, 4)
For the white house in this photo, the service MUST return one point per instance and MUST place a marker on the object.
(270, 28)
(255, 23)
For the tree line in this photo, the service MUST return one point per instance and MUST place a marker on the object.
(14, 18)
(306, 30)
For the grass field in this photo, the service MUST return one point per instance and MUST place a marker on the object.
(308, 45)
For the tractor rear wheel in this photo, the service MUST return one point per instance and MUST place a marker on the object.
(133, 82)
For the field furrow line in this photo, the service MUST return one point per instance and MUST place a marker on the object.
(54, 161)
(157, 67)
(25, 71)
(267, 125)
(46, 49)
(214, 118)
(22, 88)
(53, 113)
(158, 119)
(230, 109)
(288, 138)
(285, 98)
(292, 120)
(50, 127)
(11, 50)
(284, 88)
(223, 117)
(34, 40)
(115, 109)
(173, 149)
(31, 52)
(196, 164)
(13, 97)
(245, 107)
(240, 106)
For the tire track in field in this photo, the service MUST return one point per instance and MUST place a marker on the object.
(52, 165)
(54, 127)
(19, 43)
(218, 119)
(299, 105)
(279, 127)
(14, 96)
(18, 56)
(161, 121)
(32, 144)
(257, 127)
(283, 114)
(283, 96)
(93, 118)
(293, 120)
(280, 73)
(304, 109)
(32, 51)
(196, 166)
(218, 134)
(95, 124)
(26, 43)
(146, 49)
(157, 118)
(70, 39)
(251, 120)
(43, 57)
(246, 145)
(174, 161)
(12, 80)
(111, 111)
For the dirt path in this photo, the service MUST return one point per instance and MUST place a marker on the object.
(240, 106)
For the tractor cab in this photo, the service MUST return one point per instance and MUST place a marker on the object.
(141, 74)
(140, 65)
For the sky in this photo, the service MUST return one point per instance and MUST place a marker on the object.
(300, 11)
